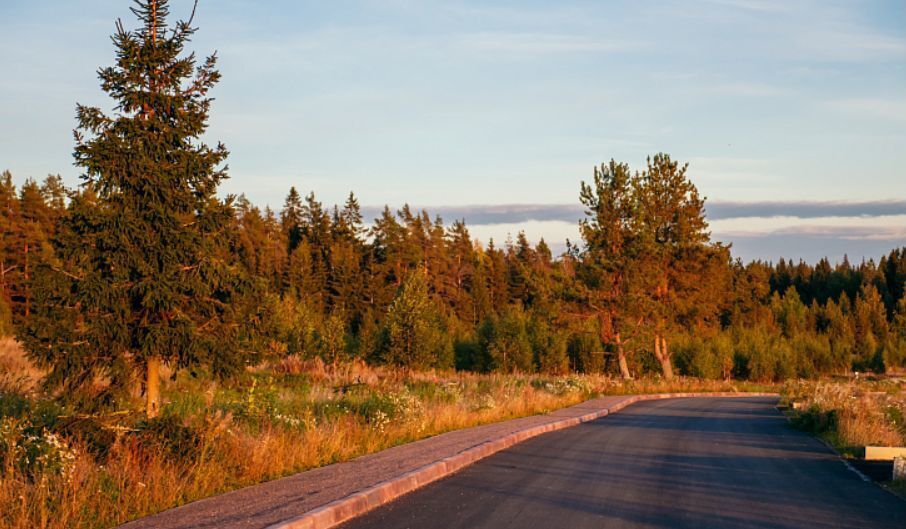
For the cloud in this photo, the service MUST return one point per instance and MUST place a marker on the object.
(804, 209)
(716, 210)
(842, 41)
(810, 248)
(871, 108)
(532, 44)
(877, 232)
(744, 89)
(760, 6)
(500, 213)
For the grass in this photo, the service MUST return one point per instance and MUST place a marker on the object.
(60, 469)
(850, 414)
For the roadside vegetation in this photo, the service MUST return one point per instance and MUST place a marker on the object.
(65, 469)
(850, 413)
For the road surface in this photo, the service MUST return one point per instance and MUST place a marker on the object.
(680, 463)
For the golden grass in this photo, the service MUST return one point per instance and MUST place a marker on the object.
(16, 371)
(852, 413)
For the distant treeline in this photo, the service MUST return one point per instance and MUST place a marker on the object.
(145, 266)
(409, 289)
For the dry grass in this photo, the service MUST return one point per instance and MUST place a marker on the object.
(852, 413)
(16, 372)
(278, 420)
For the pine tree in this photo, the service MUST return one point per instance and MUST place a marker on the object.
(605, 278)
(145, 275)
(673, 238)
(10, 240)
(291, 219)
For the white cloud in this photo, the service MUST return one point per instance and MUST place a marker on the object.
(761, 6)
(745, 89)
(531, 44)
(886, 227)
(870, 108)
(845, 41)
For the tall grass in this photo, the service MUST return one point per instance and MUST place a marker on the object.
(60, 469)
(851, 413)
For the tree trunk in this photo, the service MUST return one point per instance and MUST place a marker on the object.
(663, 355)
(27, 285)
(621, 358)
(152, 387)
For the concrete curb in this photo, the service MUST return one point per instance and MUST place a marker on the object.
(343, 510)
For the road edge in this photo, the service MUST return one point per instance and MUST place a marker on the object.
(849, 466)
(357, 504)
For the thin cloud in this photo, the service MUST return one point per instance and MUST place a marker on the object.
(532, 44)
(872, 108)
(854, 233)
(761, 6)
(804, 209)
(744, 89)
(499, 214)
(716, 210)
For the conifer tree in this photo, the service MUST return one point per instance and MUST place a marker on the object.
(145, 276)
(673, 236)
(607, 284)
(414, 331)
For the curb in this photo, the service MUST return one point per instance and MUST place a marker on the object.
(345, 509)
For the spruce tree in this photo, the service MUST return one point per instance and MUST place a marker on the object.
(144, 275)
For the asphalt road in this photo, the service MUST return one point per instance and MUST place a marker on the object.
(696, 463)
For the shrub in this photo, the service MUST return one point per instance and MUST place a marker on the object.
(170, 433)
(32, 450)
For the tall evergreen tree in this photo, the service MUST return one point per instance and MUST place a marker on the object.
(145, 276)
(608, 286)
(673, 238)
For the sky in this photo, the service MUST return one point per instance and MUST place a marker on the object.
(791, 114)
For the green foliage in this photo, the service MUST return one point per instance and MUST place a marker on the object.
(34, 450)
(815, 420)
(170, 434)
(550, 348)
(414, 330)
(505, 340)
(586, 353)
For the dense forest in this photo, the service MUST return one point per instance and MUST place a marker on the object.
(145, 265)
(411, 290)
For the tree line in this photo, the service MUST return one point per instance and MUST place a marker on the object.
(145, 265)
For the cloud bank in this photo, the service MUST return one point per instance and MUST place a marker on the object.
(716, 210)
(766, 230)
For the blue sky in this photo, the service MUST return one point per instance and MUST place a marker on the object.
(456, 103)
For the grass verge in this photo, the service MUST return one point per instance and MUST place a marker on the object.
(850, 414)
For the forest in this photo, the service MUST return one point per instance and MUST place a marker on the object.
(645, 291)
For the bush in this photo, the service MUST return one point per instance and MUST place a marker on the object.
(469, 356)
(169, 433)
(585, 352)
(549, 347)
(415, 334)
(506, 341)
